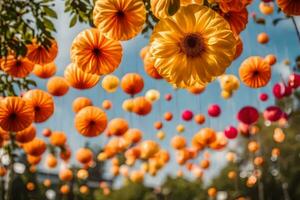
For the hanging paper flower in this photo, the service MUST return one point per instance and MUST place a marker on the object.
(94, 53)
(289, 7)
(44, 71)
(90, 121)
(16, 114)
(255, 72)
(42, 103)
(16, 67)
(119, 19)
(38, 54)
(79, 79)
(188, 47)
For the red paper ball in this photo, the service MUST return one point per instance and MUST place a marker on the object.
(278, 90)
(284, 116)
(288, 90)
(294, 80)
(281, 90)
(263, 97)
(248, 115)
(231, 132)
(187, 115)
(214, 110)
(272, 113)
(47, 132)
(168, 97)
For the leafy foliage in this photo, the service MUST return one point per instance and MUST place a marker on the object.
(80, 11)
(21, 21)
(10, 86)
(182, 189)
(281, 176)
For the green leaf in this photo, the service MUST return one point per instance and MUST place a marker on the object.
(31, 82)
(50, 12)
(73, 21)
(40, 24)
(173, 7)
(48, 24)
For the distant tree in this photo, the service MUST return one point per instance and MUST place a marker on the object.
(280, 176)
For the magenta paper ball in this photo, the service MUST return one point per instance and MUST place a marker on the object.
(263, 97)
(272, 113)
(281, 90)
(214, 110)
(187, 115)
(231, 132)
(294, 80)
(248, 115)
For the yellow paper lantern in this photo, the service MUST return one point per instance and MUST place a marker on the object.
(110, 83)
(180, 128)
(160, 135)
(152, 95)
(128, 105)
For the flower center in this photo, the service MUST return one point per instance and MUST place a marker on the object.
(192, 45)
(255, 73)
(120, 14)
(13, 116)
(18, 63)
(37, 109)
(92, 123)
(96, 51)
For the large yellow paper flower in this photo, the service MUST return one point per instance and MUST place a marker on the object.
(193, 46)
(119, 19)
(187, 2)
(160, 8)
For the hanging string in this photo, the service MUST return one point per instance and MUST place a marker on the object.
(296, 28)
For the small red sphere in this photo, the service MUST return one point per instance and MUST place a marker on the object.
(231, 132)
(272, 113)
(168, 97)
(214, 110)
(294, 80)
(263, 96)
(278, 90)
(187, 115)
(47, 132)
(248, 115)
(288, 90)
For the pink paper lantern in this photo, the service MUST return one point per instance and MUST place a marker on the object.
(214, 110)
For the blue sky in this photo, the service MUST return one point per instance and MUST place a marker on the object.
(283, 43)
